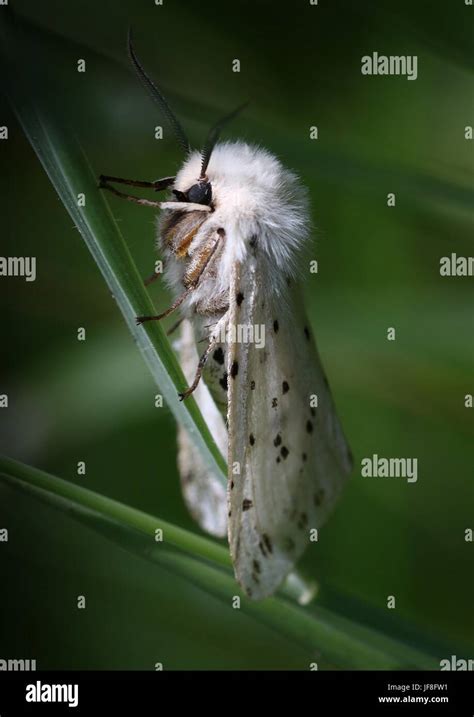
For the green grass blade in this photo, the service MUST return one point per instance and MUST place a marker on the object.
(339, 641)
(72, 176)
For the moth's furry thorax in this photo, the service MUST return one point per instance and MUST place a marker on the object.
(253, 195)
(261, 206)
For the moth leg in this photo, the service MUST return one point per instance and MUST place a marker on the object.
(157, 184)
(200, 264)
(186, 206)
(215, 338)
(153, 277)
(129, 197)
(193, 282)
(174, 305)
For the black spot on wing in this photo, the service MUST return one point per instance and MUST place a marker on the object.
(276, 326)
(234, 369)
(267, 543)
(277, 440)
(284, 452)
(246, 504)
(252, 439)
(309, 427)
(239, 298)
(223, 381)
(218, 355)
(252, 385)
(274, 402)
(285, 387)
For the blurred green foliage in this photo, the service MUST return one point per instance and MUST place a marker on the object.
(93, 401)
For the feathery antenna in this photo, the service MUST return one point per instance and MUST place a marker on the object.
(157, 95)
(213, 136)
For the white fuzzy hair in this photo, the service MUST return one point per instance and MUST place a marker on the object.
(254, 197)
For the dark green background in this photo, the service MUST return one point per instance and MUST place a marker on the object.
(93, 401)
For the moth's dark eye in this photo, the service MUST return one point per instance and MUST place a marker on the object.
(200, 193)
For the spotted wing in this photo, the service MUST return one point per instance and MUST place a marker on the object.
(288, 458)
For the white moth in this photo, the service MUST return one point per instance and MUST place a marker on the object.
(232, 240)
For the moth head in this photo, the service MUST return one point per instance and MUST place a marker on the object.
(200, 191)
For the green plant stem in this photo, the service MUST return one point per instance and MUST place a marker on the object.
(338, 640)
